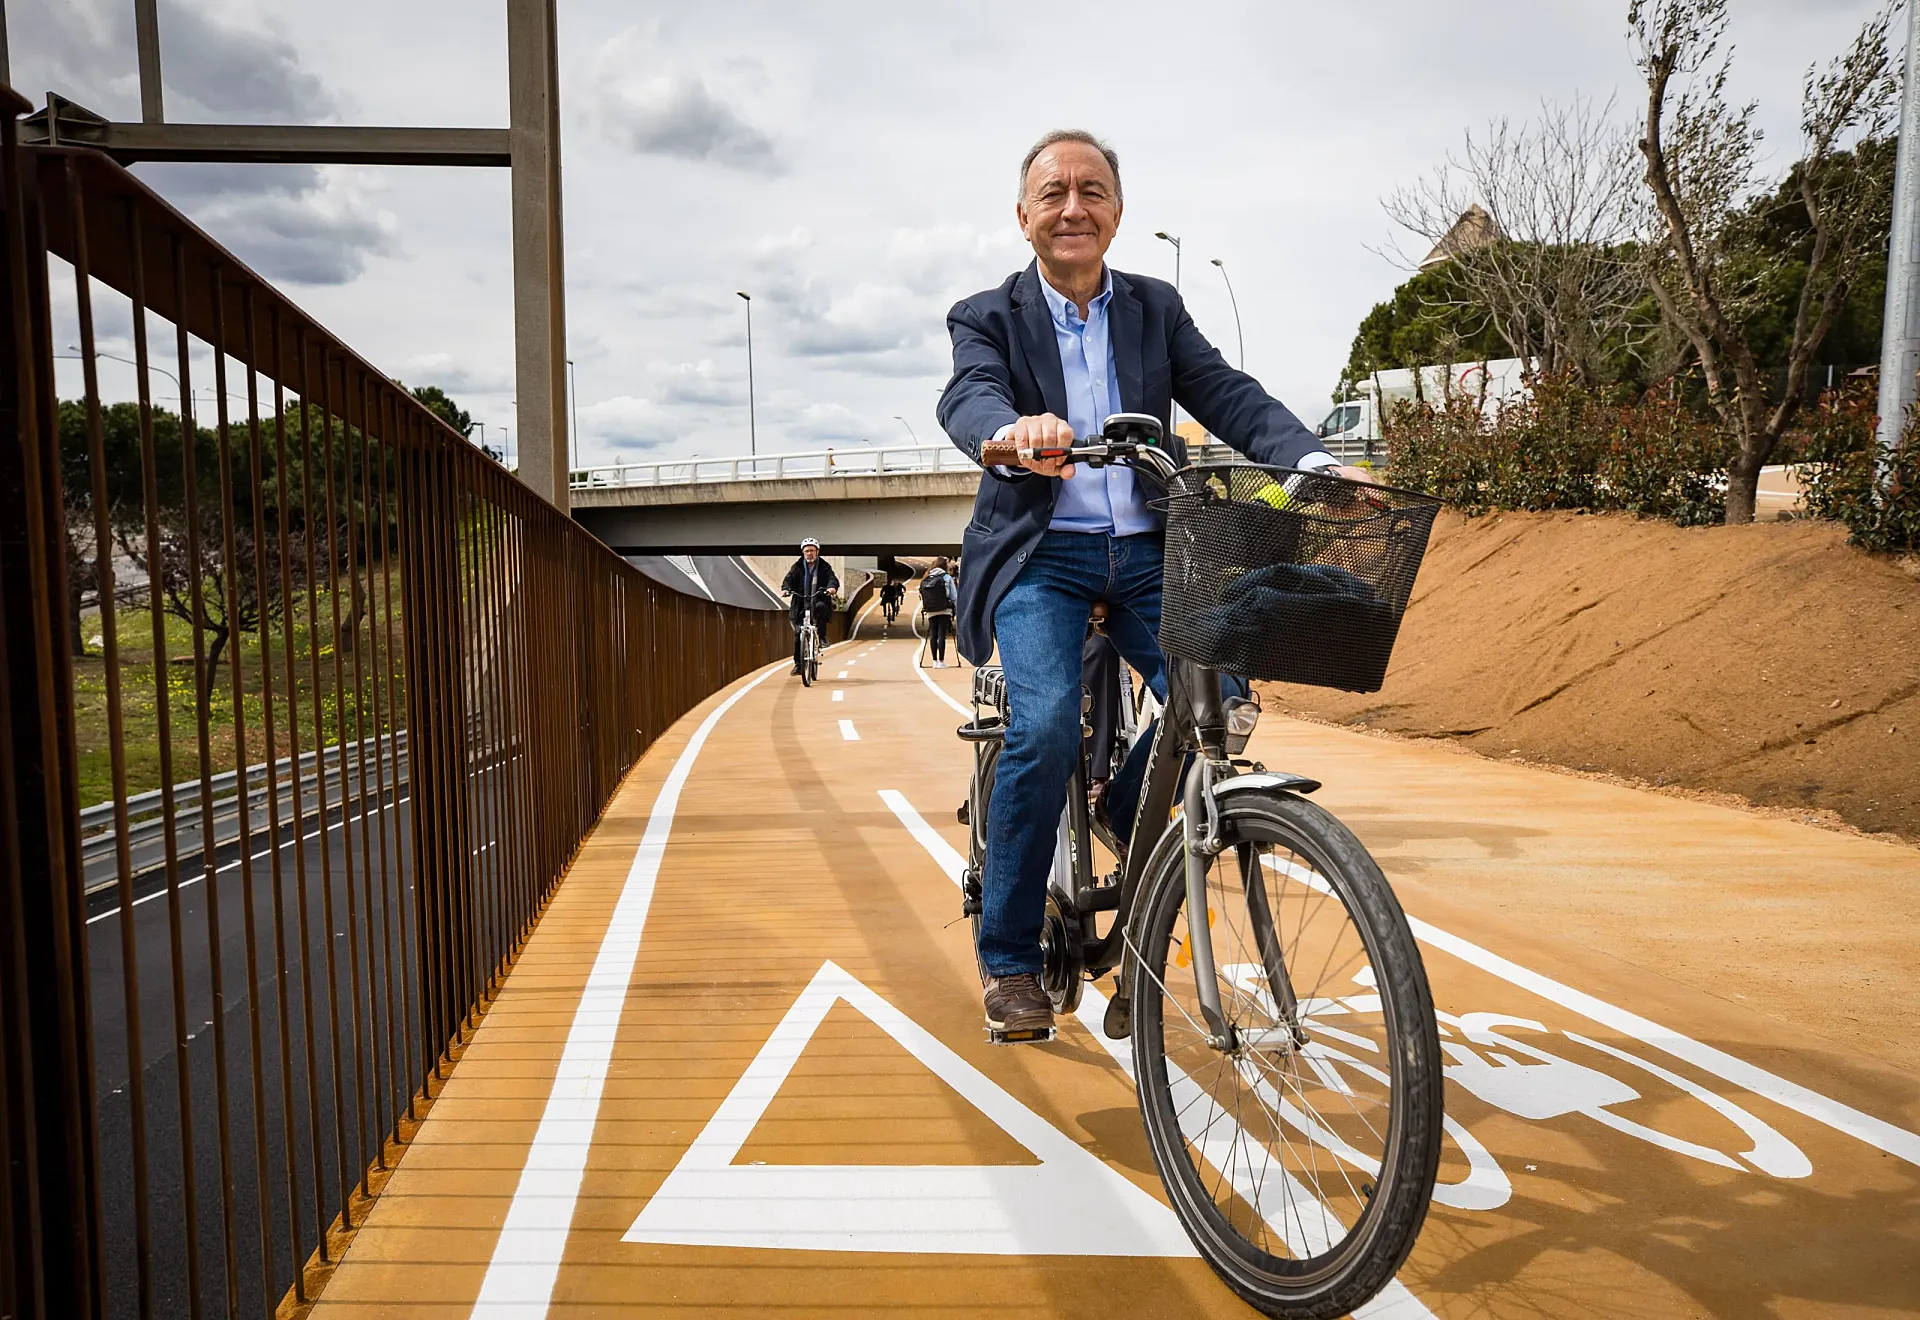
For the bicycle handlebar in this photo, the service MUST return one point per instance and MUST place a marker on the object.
(1098, 452)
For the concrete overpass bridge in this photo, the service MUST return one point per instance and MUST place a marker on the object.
(902, 499)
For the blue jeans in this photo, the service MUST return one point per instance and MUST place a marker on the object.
(1040, 626)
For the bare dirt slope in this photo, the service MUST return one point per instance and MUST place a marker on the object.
(1770, 661)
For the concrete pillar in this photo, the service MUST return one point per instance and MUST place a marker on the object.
(539, 280)
(146, 35)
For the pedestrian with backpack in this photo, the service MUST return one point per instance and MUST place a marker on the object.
(936, 602)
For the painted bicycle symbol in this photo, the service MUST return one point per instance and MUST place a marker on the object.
(1490, 1061)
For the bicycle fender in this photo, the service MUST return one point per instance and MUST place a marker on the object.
(1265, 781)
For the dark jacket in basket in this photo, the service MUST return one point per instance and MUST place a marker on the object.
(1006, 365)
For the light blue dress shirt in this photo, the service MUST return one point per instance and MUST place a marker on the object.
(1092, 499)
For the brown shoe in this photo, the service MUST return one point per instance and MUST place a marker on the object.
(1018, 1004)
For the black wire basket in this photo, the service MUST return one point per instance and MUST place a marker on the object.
(1289, 576)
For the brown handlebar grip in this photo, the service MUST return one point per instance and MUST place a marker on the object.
(999, 453)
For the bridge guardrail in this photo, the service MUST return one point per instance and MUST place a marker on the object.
(341, 588)
(850, 461)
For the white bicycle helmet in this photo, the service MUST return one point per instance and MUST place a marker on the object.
(809, 542)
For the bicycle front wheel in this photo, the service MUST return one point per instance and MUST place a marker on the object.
(1301, 1157)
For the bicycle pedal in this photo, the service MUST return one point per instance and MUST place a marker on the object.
(1029, 1036)
(963, 815)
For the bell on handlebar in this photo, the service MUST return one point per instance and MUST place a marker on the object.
(1140, 428)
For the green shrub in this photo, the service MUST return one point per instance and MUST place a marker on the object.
(1564, 446)
(1839, 471)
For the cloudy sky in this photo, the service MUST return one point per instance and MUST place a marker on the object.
(852, 164)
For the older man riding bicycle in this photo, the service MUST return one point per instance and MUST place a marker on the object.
(1040, 360)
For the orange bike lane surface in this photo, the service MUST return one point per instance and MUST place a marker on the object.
(1670, 1090)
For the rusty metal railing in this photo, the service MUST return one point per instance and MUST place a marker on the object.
(398, 688)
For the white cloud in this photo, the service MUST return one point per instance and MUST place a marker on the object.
(638, 104)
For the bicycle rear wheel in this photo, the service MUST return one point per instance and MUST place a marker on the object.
(1301, 1160)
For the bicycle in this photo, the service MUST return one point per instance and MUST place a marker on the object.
(1302, 1177)
(810, 642)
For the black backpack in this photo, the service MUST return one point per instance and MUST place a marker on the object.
(936, 593)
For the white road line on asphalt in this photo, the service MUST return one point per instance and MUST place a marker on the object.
(1394, 1302)
(526, 1260)
(839, 695)
(848, 732)
(1877, 1133)
(841, 674)
(932, 686)
(264, 852)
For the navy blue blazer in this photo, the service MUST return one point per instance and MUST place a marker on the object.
(1006, 365)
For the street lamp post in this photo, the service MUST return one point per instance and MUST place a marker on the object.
(753, 442)
(1164, 235)
(909, 425)
(573, 388)
(1239, 334)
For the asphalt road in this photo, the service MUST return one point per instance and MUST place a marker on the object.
(337, 1043)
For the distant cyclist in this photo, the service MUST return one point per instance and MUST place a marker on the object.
(810, 582)
(890, 597)
(937, 592)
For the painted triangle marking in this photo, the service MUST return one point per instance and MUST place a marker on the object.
(1069, 1204)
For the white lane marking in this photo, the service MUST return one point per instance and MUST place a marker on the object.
(526, 1259)
(1392, 1303)
(264, 852)
(838, 695)
(932, 686)
(1069, 1204)
(848, 732)
(841, 674)
(1877, 1133)
(863, 617)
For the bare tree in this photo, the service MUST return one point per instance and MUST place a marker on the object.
(1701, 156)
(1547, 266)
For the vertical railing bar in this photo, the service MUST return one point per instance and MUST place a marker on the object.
(394, 897)
(416, 986)
(342, 1154)
(304, 926)
(494, 701)
(458, 657)
(150, 496)
(366, 1051)
(230, 545)
(411, 989)
(202, 708)
(277, 866)
(109, 621)
(500, 737)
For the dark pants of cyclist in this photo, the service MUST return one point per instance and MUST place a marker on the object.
(822, 611)
(938, 626)
(1040, 625)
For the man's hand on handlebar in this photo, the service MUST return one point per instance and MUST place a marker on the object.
(1043, 432)
(1353, 474)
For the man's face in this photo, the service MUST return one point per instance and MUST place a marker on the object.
(812, 553)
(1072, 206)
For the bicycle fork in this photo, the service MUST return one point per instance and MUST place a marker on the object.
(1201, 837)
(1196, 831)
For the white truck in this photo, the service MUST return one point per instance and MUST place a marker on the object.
(1353, 429)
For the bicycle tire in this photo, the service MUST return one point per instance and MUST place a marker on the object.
(1392, 1208)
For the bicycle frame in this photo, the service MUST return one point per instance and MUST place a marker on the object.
(1193, 723)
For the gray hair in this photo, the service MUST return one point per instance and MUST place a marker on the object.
(1081, 136)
